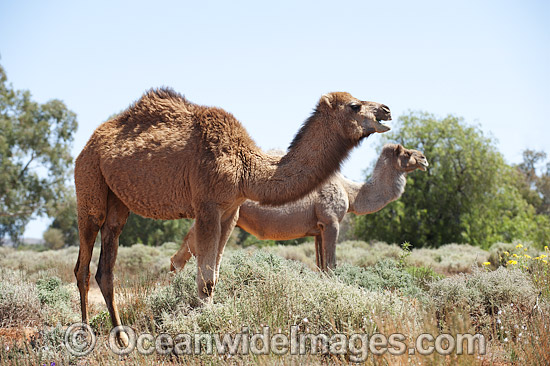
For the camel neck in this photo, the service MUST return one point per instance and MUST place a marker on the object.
(384, 186)
(313, 156)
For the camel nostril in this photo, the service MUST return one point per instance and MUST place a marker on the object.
(384, 112)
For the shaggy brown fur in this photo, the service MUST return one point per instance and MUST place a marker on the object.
(167, 158)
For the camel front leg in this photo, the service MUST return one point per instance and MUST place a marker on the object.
(329, 234)
(319, 252)
(207, 237)
(188, 247)
(187, 250)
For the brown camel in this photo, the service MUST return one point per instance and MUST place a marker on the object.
(167, 158)
(319, 214)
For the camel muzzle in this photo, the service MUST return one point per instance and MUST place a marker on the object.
(383, 113)
(423, 164)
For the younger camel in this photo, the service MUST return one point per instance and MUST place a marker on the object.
(167, 158)
(320, 213)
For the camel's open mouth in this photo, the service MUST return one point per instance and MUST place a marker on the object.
(382, 127)
(423, 165)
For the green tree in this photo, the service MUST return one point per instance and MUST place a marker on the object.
(543, 187)
(53, 238)
(35, 156)
(153, 232)
(536, 181)
(65, 219)
(468, 195)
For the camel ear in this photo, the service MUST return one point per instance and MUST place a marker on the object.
(326, 99)
(399, 150)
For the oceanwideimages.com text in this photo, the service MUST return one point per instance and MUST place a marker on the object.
(80, 340)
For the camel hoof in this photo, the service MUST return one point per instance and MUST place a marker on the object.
(122, 340)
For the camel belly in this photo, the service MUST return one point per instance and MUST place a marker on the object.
(277, 223)
(169, 203)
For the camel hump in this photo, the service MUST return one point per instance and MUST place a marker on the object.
(155, 106)
(164, 93)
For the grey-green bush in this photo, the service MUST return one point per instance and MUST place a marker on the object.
(483, 293)
(19, 302)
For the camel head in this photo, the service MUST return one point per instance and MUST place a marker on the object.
(356, 118)
(407, 160)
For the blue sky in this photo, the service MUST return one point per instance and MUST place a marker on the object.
(268, 63)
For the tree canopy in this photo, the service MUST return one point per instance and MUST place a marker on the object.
(468, 195)
(35, 160)
(153, 232)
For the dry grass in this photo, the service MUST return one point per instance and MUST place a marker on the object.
(374, 290)
(447, 259)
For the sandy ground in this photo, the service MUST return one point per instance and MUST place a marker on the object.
(95, 296)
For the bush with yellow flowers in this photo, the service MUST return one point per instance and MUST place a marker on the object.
(537, 265)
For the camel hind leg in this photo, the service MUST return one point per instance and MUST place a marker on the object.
(91, 194)
(88, 227)
(319, 252)
(117, 214)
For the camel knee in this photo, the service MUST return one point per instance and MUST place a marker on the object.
(177, 262)
(182, 256)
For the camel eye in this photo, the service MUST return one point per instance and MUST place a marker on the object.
(355, 107)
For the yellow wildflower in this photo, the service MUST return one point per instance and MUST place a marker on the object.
(525, 249)
(486, 263)
(506, 253)
(545, 261)
(514, 255)
(527, 256)
(543, 256)
(512, 262)
(519, 246)
(546, 248)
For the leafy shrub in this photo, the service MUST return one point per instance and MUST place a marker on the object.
(384, 275)
(51, 291)
(56, 300)
(423, 276)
